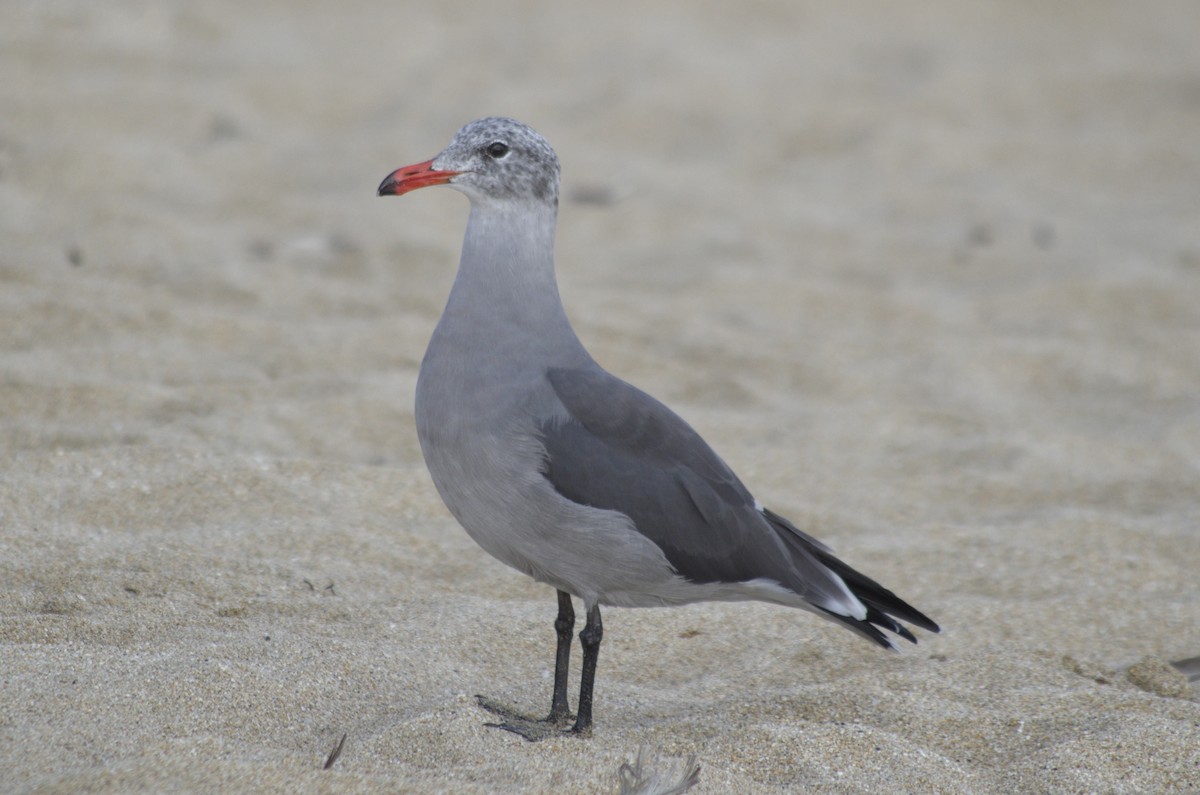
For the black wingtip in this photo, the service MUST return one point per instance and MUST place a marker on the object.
(873, 626)
(883, 606)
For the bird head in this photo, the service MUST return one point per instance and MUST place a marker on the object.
(490, 160)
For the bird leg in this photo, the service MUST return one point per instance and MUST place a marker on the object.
(534, 729)
(564, 625)
(589, 638)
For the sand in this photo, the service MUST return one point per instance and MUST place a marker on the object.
(926, 275)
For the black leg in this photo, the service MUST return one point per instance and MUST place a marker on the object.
(590, 637)
(564, 625)
(534, 729)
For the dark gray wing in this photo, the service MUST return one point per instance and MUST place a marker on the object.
(622, 450)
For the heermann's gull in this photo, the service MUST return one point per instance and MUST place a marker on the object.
(567, 473)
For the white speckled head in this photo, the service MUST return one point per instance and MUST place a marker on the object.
(495, 159)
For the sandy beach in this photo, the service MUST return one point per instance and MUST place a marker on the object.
(926, 275)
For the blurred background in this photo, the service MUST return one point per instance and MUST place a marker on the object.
(926, 274)
(221, 160)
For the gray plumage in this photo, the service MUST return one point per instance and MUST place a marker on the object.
(562, 470)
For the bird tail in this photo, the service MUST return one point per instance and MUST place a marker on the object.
(883, 606)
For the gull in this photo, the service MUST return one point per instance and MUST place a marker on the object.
(569, 474)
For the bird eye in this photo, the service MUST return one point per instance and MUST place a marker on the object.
(497, 149)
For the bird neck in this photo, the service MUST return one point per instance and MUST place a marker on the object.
(506, 288)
